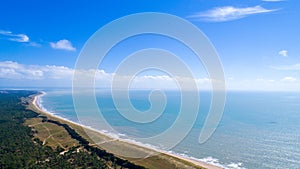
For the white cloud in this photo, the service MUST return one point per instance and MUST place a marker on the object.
(287, 67)
(288, 79)
(283, 53)
(13, 70)
(63, 44)
(228, 13)
(14, 37)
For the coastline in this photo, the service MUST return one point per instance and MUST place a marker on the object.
(106, 137)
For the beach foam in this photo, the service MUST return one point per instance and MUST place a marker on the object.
(216, 162)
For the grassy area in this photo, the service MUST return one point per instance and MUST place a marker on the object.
(50, 134)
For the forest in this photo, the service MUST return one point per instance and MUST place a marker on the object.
(19, 149)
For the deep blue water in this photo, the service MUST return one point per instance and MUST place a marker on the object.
(258, 129)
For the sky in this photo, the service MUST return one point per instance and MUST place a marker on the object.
(257, 41)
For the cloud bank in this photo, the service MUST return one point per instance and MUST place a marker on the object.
(14, 74)
(14, 70)
(51, 74)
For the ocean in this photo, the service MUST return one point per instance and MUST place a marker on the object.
(257, 130)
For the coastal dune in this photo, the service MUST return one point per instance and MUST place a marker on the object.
(152, 158)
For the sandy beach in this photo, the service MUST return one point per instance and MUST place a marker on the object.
(112, 144)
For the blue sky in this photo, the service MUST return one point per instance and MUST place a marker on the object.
(257, 40)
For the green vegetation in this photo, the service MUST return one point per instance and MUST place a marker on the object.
(20, 149)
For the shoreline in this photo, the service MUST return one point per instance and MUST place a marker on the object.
(131, 143)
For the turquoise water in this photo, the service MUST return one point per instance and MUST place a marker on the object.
(258, 129)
